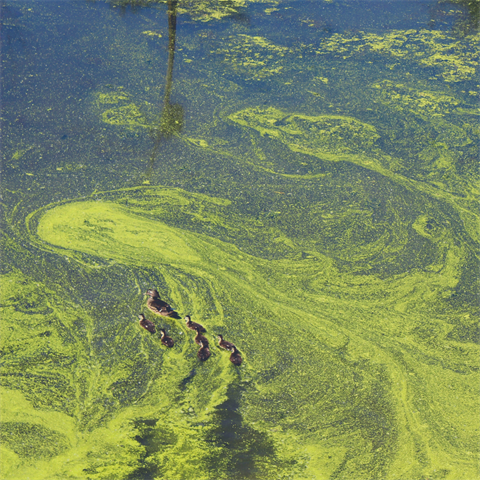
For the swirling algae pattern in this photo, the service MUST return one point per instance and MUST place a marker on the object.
(359, 363)
(335, 363)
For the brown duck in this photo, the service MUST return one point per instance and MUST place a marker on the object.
(224, 344)
(235, 357)
(166, 340)
(194, 326)
(157, 305)
(146, 324)
(199, 338)
(204, 352)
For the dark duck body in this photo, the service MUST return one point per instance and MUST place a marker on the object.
(235, 357)
(194, 326)
(224, 344)
(200, 339)
(204, 352)
(166, 340)
(157, 305)
(146, 324)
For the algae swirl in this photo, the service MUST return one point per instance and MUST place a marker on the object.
(318, 207)
(328, 384)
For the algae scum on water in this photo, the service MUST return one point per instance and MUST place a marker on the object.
(316, 204)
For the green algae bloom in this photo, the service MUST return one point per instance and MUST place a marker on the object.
(196, 268)
(316, 202)
(453, 58)
(127, 115)
(323, 134)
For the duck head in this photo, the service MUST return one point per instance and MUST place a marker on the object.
(151, 292)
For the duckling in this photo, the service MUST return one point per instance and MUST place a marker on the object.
(223, 343)
(157, 305)
(204, 352)
(199, 338)
(235, 357)
(194, 326)
(166, 340)
(146, 324)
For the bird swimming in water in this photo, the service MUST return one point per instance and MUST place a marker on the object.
(146, 324)
(223, 343)
(204, 352)
(166, 340)
(194, 326)
(235, 357)
(157, 305)
(199, 338)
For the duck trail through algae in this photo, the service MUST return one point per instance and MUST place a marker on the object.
(344, 375)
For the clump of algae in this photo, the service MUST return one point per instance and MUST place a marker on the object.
(127, 115)
(254, 56)
(122, 112)
(421, 102)
(208, 10)
(151, 33)
(456, 60)
(200, 10)
(331, 138)
(106, 98)
(321, 134)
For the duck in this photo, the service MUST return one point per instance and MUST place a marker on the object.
(146, 324)
(166, 340)
(204, 352)
(194, 326)
(157, 305)
(235, 357)
(199, 338)
(224, 344)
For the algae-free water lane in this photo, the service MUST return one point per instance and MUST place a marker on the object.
(299, 177)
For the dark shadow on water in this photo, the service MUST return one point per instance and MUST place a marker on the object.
(242, 448)
(148, 438)
(188, 379)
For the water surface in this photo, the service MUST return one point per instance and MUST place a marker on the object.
(301, 177)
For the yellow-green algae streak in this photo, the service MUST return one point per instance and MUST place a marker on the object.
(344, 376)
